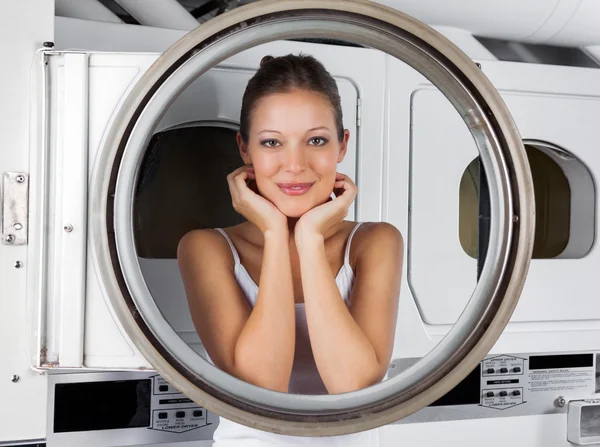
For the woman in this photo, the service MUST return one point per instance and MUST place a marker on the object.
(263, 294)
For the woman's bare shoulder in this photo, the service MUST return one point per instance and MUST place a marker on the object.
(376, 237)
(198, 245)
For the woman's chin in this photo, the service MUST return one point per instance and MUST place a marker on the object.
(293, 212)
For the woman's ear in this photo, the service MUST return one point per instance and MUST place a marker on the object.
(343, 146)
(243, 147)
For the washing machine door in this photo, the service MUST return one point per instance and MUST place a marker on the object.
(502, 156)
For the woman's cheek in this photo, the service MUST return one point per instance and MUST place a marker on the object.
(328, 169)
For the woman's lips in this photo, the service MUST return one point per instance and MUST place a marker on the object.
(294, 189)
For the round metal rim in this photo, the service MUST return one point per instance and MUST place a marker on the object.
(509, 167)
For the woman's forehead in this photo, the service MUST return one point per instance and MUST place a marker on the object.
(294, 110)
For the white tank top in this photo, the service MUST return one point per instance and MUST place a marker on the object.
(304, 379)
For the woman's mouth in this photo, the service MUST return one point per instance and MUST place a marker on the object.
(295, 189)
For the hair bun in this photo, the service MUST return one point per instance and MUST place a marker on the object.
(265, 60)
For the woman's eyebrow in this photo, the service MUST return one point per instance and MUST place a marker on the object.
(267, 130)
(318, 128)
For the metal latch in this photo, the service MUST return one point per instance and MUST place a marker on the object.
(15, 206)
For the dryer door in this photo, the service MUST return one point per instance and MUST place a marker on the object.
(126, 146)
(556, 120)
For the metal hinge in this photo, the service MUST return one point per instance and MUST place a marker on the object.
(15, 205)
(358, 112)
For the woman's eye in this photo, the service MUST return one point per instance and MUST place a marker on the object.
(317, 141)
(270, 143)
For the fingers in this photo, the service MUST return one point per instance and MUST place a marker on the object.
(238, 187)
(344, 186)
(237, 179)
(245, 171)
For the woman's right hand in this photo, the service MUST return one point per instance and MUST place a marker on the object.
(251, 205)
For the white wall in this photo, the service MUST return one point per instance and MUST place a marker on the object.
(24, 26)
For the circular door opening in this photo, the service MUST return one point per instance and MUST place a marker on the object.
(510, 195)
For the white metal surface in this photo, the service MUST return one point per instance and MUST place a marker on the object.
(24, 26)
(71, 178)
(558, 310)
(436, 251)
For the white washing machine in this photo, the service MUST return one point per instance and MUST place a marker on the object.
(181, 186)
(415, 164)
(548, 354)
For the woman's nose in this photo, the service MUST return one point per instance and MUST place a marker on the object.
(294, 160)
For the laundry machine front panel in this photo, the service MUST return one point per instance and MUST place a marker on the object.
(560, 277)
(556, 117)
(209, 106)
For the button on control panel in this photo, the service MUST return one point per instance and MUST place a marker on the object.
(502, 365)
(178, 421)
(161, 386)
(501, 398)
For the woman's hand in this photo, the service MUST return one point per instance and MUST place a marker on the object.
(323, 217)
(250, 204)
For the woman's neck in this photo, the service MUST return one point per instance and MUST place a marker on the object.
(292, 221)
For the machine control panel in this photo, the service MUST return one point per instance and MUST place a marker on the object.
(514, 385)
(501, 384)
(142, 405)
(172, 411)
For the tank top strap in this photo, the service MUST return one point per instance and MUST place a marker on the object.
(236, 257)
(347, 254)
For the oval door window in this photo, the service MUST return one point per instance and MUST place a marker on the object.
(126, 149)
(564, 228)
(182, 186)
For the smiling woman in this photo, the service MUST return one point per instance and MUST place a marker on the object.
(264, 295)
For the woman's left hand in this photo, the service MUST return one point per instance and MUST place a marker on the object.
(321, 218)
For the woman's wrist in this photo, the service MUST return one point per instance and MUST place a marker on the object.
(277, 235)
(308, 240)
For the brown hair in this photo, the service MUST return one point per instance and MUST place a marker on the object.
(283, 74)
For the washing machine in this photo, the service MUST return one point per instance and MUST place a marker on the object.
(129, 151)
(181, 186)
(546, 362)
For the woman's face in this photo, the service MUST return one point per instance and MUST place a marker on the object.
(294, 148)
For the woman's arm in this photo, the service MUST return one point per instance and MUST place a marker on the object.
(352, 346)
(266, 345)
(255, 345)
